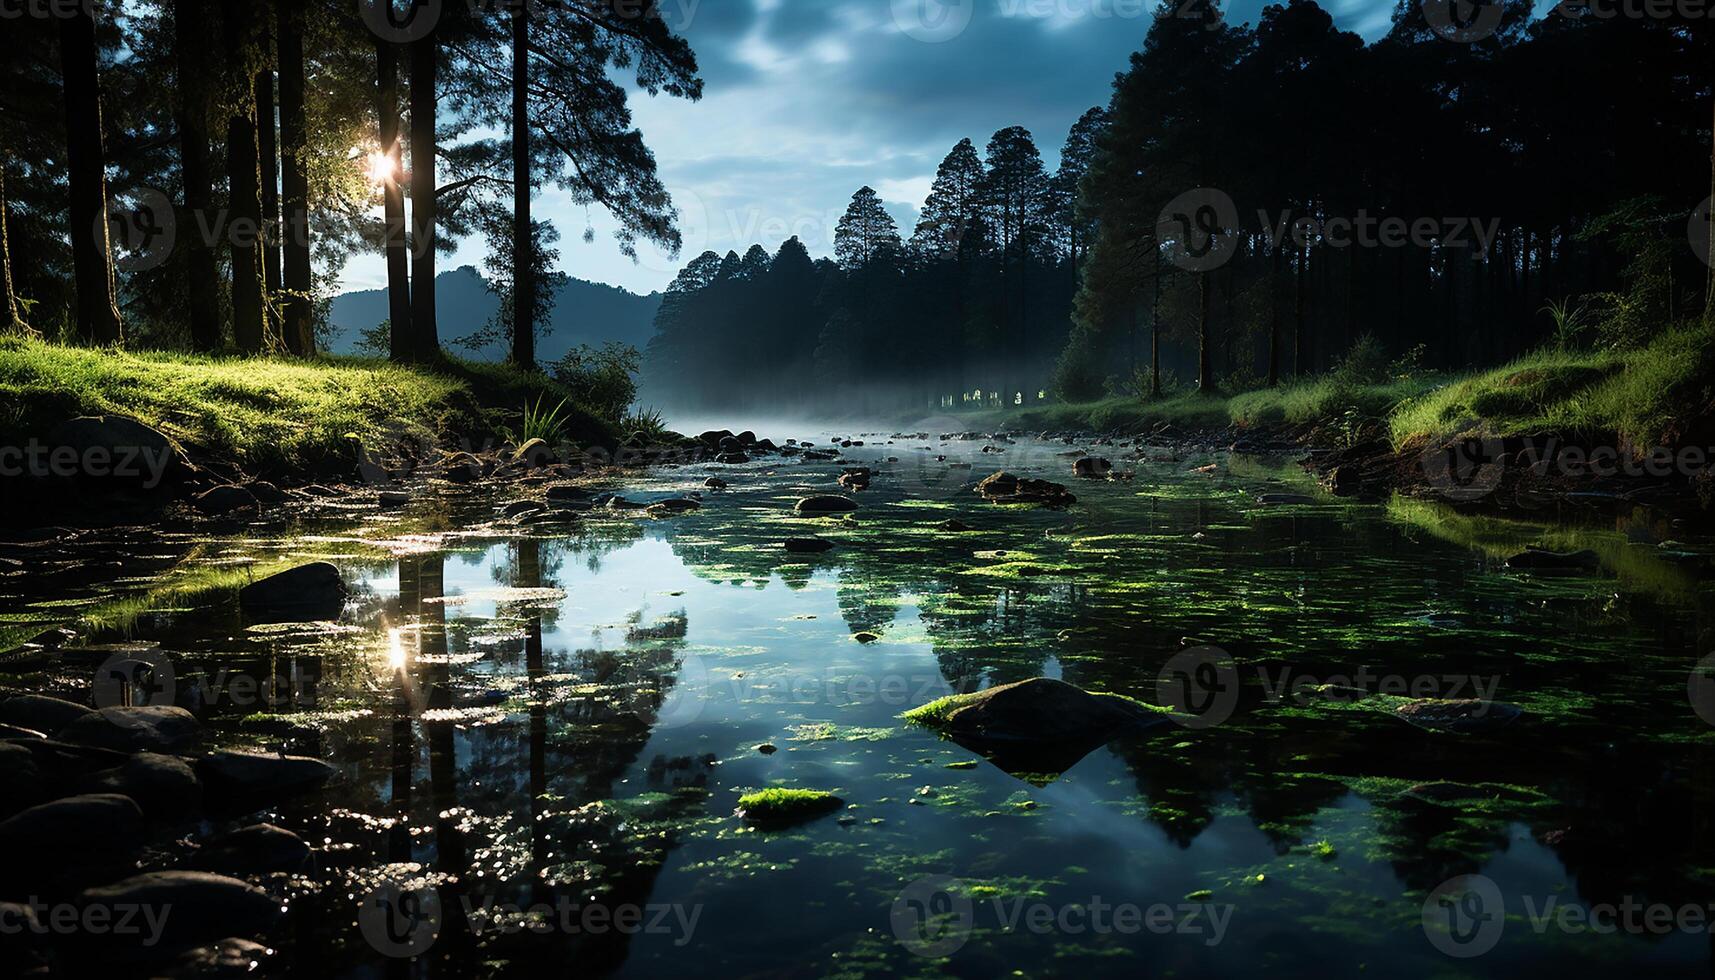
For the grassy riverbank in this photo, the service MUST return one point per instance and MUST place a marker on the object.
(270, 415)
(1658, 394)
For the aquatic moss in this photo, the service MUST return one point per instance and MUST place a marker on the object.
(780, 806)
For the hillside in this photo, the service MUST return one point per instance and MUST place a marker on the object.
(585, 313)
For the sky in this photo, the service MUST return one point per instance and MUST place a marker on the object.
(805, 101)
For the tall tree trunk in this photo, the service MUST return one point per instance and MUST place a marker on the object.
(523, 242)
(1155, 332)
(244, 180)
(1205, 361)
(425, 341)
(1299, 364)
(295, 182)
(11, 319)
(1709, 277)
(1274, 317)
(202, 295)
(86, 170)
(268, 152)
(393, 203)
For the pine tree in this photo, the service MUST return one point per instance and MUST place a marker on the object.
(865, 232)
(951, 206)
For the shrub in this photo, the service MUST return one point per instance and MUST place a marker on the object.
(603, 380)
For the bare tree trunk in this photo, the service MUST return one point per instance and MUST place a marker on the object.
(86, 170)
(11, 319)
(393, 203)
(1709, 278)
(202, 296)
(244, 180)
(425, 340)
(523, 241)
(295, 182)
(268, 152)
(1205, 361)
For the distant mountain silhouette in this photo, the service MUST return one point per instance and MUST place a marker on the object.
(584, 313)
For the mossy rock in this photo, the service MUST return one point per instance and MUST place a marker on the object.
(778, 808)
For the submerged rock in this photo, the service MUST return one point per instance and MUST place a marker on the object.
(1005, 488)
(1284, 499)
(1463, 716)
(715, 483)
(826, 504)
(1543, 560)
(954, 526)
(1036, 725)
(808, 546)
(224, 499)
(311, 588)
(779, 808)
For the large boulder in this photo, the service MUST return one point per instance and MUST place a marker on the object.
(22, 778)
(1037, 725)
(143, 728)
(120, 452)
(204, 908)
(313, 591)
(1091, 467)
(164, 786)
(258, 849)
(40, 713)
(236, 780)
(1005, 488)
(93, 827)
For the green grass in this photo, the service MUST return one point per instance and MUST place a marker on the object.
(778, 805)
(1313, 400)
(271, 414)
(1639, 397)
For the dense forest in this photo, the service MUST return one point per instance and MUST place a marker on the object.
(194, 174)
(1252, 204)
